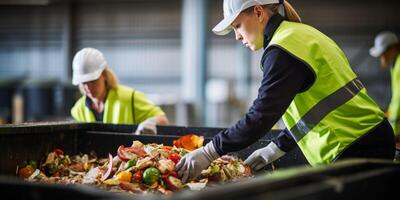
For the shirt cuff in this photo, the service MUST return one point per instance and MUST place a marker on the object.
(285, 141)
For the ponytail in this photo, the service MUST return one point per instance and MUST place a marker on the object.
(290, 12)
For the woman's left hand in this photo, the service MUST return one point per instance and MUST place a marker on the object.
(148, 126)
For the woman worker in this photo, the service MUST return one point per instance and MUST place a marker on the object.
(105, 100)
(387, 49)
(307, 80)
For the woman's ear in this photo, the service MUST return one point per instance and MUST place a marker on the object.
(259, 12)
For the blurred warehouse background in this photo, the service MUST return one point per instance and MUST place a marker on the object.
(166, 49)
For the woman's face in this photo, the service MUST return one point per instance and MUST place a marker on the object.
(95, 89)
(249, 29)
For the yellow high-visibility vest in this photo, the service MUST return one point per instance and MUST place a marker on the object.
(335, 110)
(122, 106)
(394, 106)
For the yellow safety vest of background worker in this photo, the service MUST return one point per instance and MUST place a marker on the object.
(387, 48)
(308, 81)
(104, 100)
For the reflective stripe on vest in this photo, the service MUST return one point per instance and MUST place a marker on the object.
(335, 110)
(325, 106)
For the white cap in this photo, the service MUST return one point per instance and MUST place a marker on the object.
(232, 9)
(382, 42)
(88, 64)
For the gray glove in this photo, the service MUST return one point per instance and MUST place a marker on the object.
(191, 165)
(148, 126)
(262, 157)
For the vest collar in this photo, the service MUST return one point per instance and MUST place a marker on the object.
(271, 27)
(397, 60)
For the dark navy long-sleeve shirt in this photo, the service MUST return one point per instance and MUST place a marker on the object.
(283, 77)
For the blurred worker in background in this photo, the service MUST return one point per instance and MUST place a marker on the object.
(308, 81)
(387, 48)
(105, 100)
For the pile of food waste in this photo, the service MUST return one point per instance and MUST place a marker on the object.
(138, 168)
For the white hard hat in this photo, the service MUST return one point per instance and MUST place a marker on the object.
(383, 41)
(232, 9)
(88, 64)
